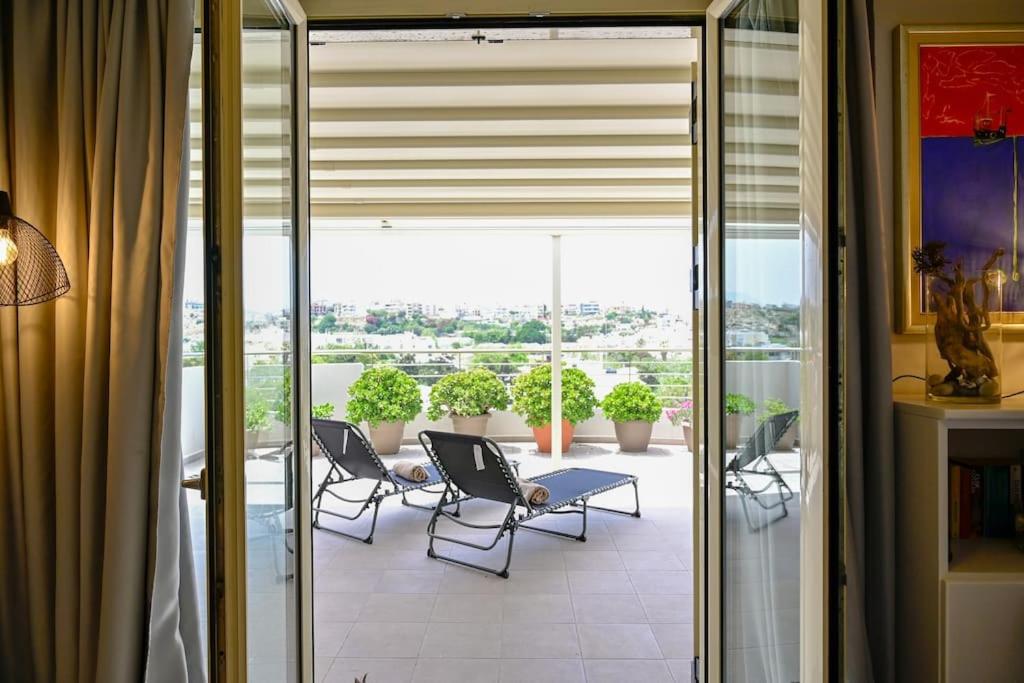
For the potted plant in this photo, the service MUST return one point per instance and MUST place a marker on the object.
(682, 415)
(323, 411)
(531, 398)
(775, 406)
(257, 419)
(385, 398)
(736, 406)
(468, 397)
(634, 409)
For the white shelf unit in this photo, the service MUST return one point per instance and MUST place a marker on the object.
(959, 621)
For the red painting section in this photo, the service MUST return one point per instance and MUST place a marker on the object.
(966, 86)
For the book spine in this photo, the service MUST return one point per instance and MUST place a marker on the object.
(1015, 488)
(954, 502)
(965, 502)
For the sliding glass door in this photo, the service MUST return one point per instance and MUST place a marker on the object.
(766, 466)
(255, 192)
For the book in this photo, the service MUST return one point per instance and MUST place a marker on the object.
(997, 513)
(954, 502)
(977, 502)
(1015, 488)
(966, 529)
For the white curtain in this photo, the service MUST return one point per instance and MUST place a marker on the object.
(96, 580)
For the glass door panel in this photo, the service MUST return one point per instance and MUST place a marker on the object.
(268, 249)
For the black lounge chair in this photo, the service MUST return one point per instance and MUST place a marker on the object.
(752, 461)
(476, 467)
(352, 458)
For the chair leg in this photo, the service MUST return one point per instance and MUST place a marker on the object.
(430, 508)
(374, 498)
(507, 525)
(581, 537)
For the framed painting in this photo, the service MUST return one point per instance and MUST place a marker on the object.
(960, 141)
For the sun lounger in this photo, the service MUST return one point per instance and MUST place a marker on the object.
(352, 458)
(751, 463)
(476, 467)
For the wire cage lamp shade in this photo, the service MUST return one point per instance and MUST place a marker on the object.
(31, 272)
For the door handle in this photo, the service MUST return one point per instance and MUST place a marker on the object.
(196, 483)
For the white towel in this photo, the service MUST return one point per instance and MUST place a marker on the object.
(411, 471)
(537, 494)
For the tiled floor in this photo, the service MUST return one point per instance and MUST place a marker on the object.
(616, 608)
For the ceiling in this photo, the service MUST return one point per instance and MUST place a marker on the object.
(547, 123)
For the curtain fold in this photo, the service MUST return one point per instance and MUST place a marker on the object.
(869, 430)
(94, 115)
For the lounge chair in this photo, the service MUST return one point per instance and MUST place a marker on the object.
(476, 467)
(751, 462)
(352, 458)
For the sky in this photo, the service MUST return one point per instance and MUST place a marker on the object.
(644, 268)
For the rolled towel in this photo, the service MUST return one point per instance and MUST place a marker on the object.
(411, 471)
(537, 494)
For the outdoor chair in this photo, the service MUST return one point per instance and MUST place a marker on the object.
(352, 458)
(751, 462)
(476, 467)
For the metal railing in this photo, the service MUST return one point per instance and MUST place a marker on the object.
(667, 370)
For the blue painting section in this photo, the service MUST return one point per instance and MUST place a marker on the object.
(967, 202)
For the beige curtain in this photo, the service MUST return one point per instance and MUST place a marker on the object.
(93, 113)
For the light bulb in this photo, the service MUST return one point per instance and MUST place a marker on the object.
(8, 249)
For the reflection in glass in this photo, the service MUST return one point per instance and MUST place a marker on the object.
(762, 269)
(268, 252)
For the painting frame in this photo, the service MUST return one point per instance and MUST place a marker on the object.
(908, 316)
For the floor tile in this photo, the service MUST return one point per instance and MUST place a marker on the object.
(329, 637)
(618, 641)
(668, 609)
(375, 670)
(344, 580)
(675, 640)
(459, 580)
(384, 640)
(662, 582)
(456, 670)
(397, 608)
(593, 560)
(542, 671)
(539, 641)
(408, 581)
(537, 609)
(643, 560)
(681, 670)
(337, 606)
(622, 670)
(536, 581)
(608, 609)
(462, 641)
(599, 582)
(484, 609)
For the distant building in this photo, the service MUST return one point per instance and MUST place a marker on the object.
(347, 310)
(320, 308)
(590, 308)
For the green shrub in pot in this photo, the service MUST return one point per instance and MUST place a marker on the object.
(634, 408)
(736, 406)
(468, 397)
(385, 398)
(531, 398)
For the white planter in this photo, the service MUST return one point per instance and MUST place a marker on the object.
(475, 425)
(633, 436)
(387, 437)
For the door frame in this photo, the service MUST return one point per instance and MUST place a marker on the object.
(223, 213)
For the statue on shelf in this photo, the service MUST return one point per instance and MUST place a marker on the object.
(962, 316)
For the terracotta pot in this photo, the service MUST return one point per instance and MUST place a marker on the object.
(475, 425)
(387, 437)
(688, 436)
(732, 430)
(252, 441)
(543, 437)
(633, 436)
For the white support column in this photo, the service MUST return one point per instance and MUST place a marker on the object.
(556, 350)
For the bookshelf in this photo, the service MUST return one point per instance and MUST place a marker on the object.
(960, 602)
